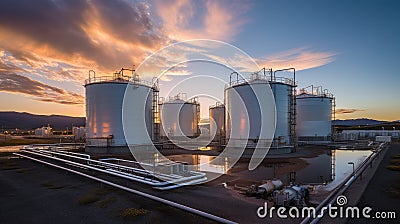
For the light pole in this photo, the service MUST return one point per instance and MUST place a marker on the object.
(351, 163)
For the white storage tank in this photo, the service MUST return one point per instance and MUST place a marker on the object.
(283, 90)
(250, 112)
(104, 106)
(315, 110)
(282, 101)
(180, 117)
(217, 121)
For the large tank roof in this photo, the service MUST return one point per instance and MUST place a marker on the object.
(313, 92)
(180, 98)
(119, 77)
(217, 106)
(260, 78)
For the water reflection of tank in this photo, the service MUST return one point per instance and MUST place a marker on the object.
(315, 111)
(319, 169)
(217, 122)
(180, 117)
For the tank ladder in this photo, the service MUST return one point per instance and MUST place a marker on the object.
(156, 113)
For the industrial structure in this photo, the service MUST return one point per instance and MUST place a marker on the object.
(261, 111)
(354, 135)
(44, 131)
(78, 132)
(179, 117)
(258, 105)
(104, 109)
(315, 112)
(217, 123)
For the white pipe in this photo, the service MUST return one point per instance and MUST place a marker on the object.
(197, 181)
(95, 161)
(136, 170)
(124, 160)
(124, 175)
(149, 196)
(153, 183)
(75, 153)
(175, 180)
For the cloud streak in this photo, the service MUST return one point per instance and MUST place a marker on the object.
(300, 58)
(14, 83)
(347, 111)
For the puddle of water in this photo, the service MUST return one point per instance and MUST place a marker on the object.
(212, 164)
(342, 167)
(331, 167)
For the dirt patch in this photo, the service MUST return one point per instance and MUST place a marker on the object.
(93, 196)
(133, 213)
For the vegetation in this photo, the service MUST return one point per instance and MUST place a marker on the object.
(52, 185)
(130, 213)
(87, 199)
(24, 170)
(7, 164)
(394, 163)
(107, 201)
(24, 141)
(93, 196)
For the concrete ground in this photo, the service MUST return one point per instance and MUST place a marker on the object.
(383, 191)
(35, 193)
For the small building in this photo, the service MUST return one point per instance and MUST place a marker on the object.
(79, 132)
(44, 131)
(350, 135)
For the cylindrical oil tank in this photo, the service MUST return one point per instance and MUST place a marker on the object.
(217, 121)
(104, 105)
(314, 113)
(179, 118)
(249, 112)
(283, 102)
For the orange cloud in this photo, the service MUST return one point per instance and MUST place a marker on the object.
(14, 83)
(96, 34)
(219, 20)
(300, 58)
(61, 40)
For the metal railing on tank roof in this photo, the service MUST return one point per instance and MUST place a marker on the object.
(263, 74)
(106, 79)
(315, 91)
(120, 77)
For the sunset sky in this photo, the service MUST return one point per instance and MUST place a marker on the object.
(351, 48)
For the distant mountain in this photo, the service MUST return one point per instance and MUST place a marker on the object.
(27, 121)
(357, 122)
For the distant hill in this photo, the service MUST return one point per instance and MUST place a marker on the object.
(357, 122)
(27, 121)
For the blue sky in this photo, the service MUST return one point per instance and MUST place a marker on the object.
(364, 35)
(349, 47)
